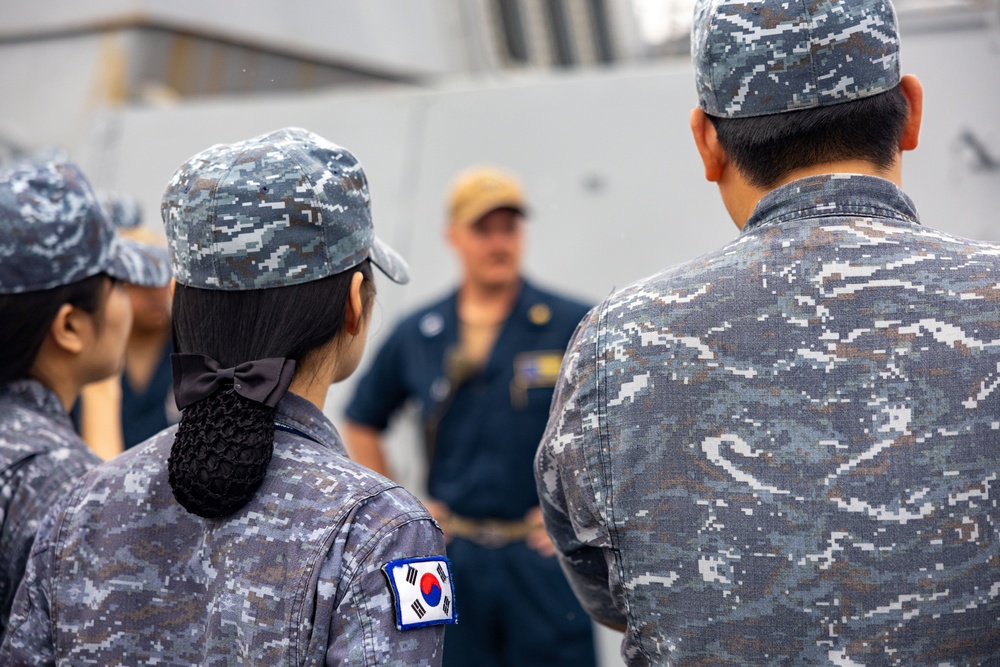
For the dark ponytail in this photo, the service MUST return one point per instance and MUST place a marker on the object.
(223, 443)
(220, 454)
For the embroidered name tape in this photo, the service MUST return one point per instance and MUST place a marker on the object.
(422, 590)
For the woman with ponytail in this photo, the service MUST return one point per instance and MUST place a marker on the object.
(244, 535)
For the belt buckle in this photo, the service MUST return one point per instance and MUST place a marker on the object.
(492, 535)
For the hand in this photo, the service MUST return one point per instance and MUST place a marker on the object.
(538, 539)
(441, 513)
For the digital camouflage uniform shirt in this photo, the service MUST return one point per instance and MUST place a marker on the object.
(123, 575)
(40, 455)
(785, 452)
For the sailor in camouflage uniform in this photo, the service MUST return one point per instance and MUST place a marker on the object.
(784, 452)
(56, 249)
(244, 535)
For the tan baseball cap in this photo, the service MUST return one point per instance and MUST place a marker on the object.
(479, 190)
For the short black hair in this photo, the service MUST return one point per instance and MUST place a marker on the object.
(28, 316)
(224, 442)
(766, 148)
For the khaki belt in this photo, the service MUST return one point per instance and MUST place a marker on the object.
(492, 533)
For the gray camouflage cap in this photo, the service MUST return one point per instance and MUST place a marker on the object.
(279, 209)
(760, 57)
(54, 232)
(124, 211)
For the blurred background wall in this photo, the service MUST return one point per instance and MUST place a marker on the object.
(587, 100)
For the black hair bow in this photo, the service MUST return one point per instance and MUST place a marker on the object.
(197, 376)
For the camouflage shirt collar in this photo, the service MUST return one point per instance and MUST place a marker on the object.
(830, 195)
(35, 396)
(297, 414)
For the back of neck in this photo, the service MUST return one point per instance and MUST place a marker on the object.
(742, 197)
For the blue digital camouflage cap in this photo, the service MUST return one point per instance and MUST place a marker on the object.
(54, 232)
(279, 209)
(760, 57)
(124, 211)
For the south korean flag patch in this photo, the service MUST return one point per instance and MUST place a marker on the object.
(422, 590)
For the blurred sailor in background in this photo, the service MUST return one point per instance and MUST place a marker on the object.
(482, 363)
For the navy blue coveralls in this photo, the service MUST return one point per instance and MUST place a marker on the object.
(514, 605)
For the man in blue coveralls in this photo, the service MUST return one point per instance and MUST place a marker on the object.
(482, 362)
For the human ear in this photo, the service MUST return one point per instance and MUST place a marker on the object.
(67, 330)
(705, 139)
(913, 91)
(354, 313)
